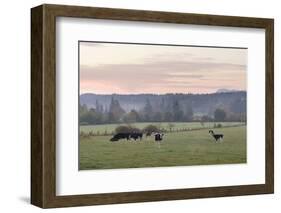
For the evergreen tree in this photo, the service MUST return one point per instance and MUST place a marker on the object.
(177, 112)
(115, 111)
(147, 111)
(99, 107)
(188, 113)
(168, 116)
(219, 115)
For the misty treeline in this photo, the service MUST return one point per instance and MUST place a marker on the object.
(163, 108)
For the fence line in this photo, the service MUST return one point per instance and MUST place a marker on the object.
(91, 133)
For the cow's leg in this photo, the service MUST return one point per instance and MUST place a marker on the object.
(159, 144)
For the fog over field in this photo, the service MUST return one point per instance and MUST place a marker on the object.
(156, 106)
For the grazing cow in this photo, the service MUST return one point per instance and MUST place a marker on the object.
(216, 136)
(136, 135)
(119, 136)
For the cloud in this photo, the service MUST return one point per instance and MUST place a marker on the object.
(92, 44)
(172, 76)
(204, 58)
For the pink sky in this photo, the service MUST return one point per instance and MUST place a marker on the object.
(107, 68)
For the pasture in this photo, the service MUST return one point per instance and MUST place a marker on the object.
(179, 148)
(176, 126)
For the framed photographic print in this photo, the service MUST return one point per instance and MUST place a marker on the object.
(136, 106)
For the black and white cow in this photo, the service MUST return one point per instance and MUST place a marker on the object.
(119, 136)
(158, 137)
(217, 137)
(136, 135)
(128, 136)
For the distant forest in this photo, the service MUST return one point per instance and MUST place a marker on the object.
(116, 108)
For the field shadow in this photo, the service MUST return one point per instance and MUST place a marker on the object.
(25, 200)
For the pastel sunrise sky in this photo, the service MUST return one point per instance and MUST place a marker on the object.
(107, 68)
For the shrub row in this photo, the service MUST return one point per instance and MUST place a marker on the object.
(149, 129)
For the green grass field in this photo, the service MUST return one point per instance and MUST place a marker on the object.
(177, 149)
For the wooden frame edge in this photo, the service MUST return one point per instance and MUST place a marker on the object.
(43, 105)
(269, 118)
(158, 195)
(36, 106)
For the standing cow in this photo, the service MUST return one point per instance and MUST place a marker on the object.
(158, 137)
